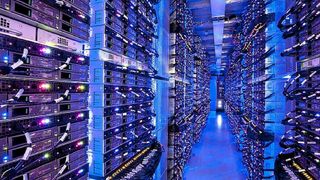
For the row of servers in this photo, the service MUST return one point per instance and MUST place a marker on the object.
(44, 89)
(270, 43)
(247, 92)
(121, 56)
(300, 142)
(77, 89)
(189, 88)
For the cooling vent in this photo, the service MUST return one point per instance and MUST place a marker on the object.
(62, 41)
(4, 23)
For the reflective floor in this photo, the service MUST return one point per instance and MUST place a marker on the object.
(215, 156)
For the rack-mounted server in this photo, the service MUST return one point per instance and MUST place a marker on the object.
(251, 100)
(122, 52)
(300, 157)
(189, 87)
(44, 89)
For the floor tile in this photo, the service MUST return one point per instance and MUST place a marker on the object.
(215, 156)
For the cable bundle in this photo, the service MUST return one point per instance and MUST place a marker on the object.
(189, 86)
(300, 157)
(245, 89)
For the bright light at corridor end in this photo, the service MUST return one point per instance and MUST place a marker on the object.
(219, 121)
(219, 104)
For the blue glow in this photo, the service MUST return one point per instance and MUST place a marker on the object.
(216, 142)
(219, 121)
(5, 159)
(281, 74)
(5, 59)
(218, 9)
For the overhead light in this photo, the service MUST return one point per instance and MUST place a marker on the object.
(232, 1)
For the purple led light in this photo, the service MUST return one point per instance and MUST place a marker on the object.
(82, 16)
(44, 121)
(80, 115)
(45, 50)
(81, 58)
(80, 171)
(80, 143)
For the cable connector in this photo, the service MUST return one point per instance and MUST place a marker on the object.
(17, 96)
(28, 138)
(59, 2)
(5, 70)
(65, 134)
(123, 95)
(65, 64)
(136, 94)
(27, 154)
(123, 138)
(63, 97)
(64, 167)
(134, 134)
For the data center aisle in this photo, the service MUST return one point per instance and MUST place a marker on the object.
(215, 156)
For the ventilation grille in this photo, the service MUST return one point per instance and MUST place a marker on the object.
(4, 23)
(63, 41)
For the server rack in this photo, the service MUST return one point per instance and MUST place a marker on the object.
(189, 81)
(201, 90)
(220, 93)
(300, 156)
(251, 101)
(122, 144)
(44, 89)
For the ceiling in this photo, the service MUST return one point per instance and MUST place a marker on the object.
(214, 22)
(233, 12)
(201, 11)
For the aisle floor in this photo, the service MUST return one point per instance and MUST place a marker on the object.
(215, 156)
